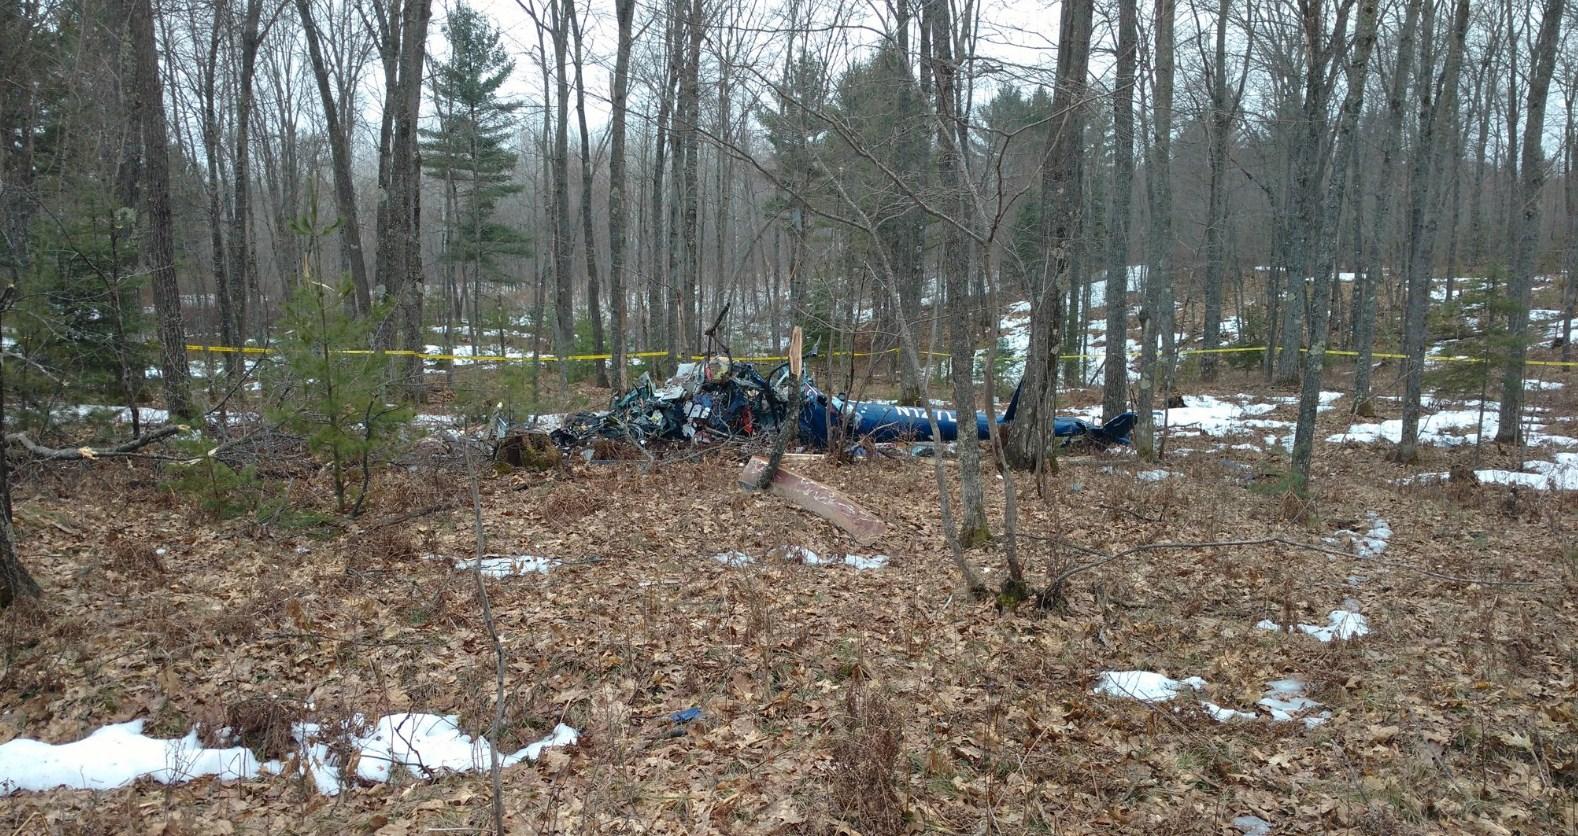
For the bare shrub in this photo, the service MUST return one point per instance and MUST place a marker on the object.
(865, 786)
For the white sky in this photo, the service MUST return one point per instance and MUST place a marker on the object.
(1015, 33)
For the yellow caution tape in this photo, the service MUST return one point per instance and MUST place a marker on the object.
(550, 358)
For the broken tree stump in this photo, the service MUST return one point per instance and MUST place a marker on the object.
(817, 498)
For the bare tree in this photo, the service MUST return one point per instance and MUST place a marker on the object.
(624, 11)
(1061, 220)
(160, 253)
(1437, 98)
(1526, 239)
(340, 154)
(1115, 376)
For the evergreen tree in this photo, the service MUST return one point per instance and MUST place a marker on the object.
(469, 150)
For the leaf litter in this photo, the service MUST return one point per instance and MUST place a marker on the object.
(1470, 683)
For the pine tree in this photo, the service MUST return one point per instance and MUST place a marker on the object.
(469, 150)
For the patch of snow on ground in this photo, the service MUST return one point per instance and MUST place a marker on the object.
(1145, 686)
(118, 754)
(1153, 475)
(1561, 474)
(801, 554)
(1342, 625)
(1368, 544)
(1448, 428)
(1223, 715)
(1252, 825)
(115, 756)
(1285, 701)
(734, 558)
(1212, 416)
(505, 566)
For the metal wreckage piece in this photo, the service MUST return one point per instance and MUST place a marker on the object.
(719, 400)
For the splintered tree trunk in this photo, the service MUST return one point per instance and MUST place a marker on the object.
(1115, 368)
(594, 304)
(624, 11)
(1526, 240)
(160, 251)
(1320, 306)
(1060, 192)
(973, 529)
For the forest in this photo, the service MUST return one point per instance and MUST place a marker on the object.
(555, 416)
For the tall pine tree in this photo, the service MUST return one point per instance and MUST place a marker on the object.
(469, 152)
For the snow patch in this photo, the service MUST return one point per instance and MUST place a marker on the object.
(1342, 625)
(1145, 686)
(734, 558)
(1368, 544)
(505, 566)
(801, 554)
(1153, 475)
(118, 754)
(1285, 701)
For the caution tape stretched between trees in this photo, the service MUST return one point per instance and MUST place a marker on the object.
(551, 358)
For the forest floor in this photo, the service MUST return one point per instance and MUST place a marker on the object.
(832, 699)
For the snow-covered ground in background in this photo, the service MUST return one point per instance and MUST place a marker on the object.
(1451, 427)
(422, 745)
(1559, 474)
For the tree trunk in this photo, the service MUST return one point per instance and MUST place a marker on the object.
(690, 119)
(1343, 153)
(1223, 113)
(160, 252)
(594, 302)
(1436, 100)
(1375, 275)
(1115, 369)
(1527, 237)
(624, 11)
(1060, 191)
(1157, 321)
(340, 155)
(973, 530)
(243, 266)
(563, 283)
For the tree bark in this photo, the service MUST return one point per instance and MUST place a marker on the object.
(594, 304)
(1157, 321)
(1436, 99)
(1060, 191)
(1374, 269)
(160, 252)
(1343, 153)
(340, 157)
(1115, 368)
(973, 530)
(563, 282)
(243, 266)
(1526, 238)
(624, 11)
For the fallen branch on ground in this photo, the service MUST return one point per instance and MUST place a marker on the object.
(66, 454)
